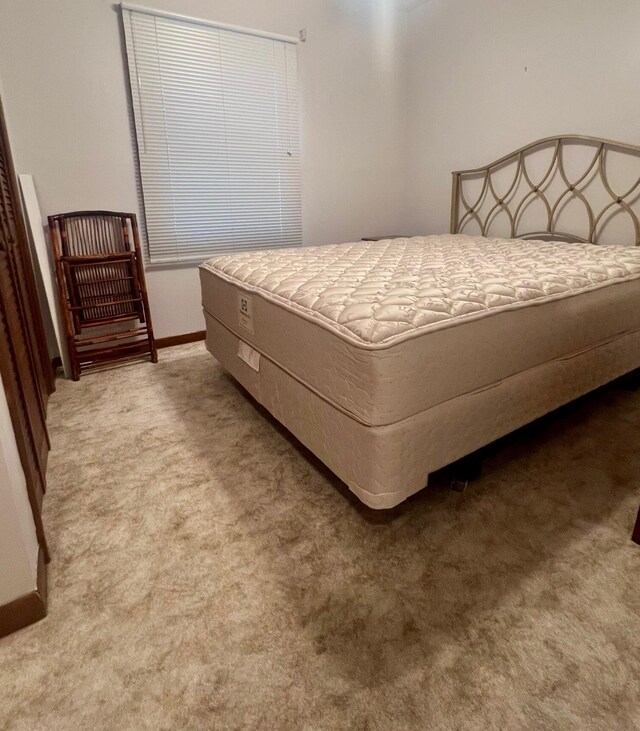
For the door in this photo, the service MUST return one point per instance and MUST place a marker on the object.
(26, 372)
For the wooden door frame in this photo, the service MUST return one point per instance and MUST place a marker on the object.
(25, 367)
(31, 308)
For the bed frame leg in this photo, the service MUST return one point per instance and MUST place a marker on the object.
(466, 470)
(631, 382)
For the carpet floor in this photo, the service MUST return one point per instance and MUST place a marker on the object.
(209, 573)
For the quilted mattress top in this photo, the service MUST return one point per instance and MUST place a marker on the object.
(377, 293)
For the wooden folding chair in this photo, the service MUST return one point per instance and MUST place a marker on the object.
(102, 288)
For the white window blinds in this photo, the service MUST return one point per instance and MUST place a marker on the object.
(216, 120)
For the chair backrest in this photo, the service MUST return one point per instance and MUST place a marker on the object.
(90, 233)
(98, 262)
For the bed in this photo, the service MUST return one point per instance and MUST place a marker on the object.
(391, 359)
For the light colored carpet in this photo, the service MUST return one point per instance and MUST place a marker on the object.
(208, 573)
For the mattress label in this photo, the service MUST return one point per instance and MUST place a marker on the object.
(245, 311)
(250, 356)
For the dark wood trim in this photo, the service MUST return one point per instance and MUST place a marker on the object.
(181, 339)
(25, 368)
(29, 302)
(384, 238)
(27, 609)
(636, 530)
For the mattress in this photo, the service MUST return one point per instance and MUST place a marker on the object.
(384, 330)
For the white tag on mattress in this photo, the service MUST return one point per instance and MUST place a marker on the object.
(245, 311)
(250, 356)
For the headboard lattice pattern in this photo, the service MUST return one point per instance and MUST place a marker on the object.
(557, 189)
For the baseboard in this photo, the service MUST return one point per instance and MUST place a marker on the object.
(27, 609)
(636, 531)
(180, 339)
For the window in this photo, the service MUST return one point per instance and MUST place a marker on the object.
(216, 122)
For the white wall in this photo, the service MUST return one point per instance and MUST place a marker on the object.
(487, 76)
(18, 541)
(65, 93)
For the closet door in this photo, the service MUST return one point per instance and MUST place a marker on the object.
(25, 369)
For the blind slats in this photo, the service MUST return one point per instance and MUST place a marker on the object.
(216, 121)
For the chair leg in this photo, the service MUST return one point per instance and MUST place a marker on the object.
(74, 360)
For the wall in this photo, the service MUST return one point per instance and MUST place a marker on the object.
(487, 76)
(67, 101)
(18, 541)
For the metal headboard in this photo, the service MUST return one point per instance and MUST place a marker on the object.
(522, 190)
